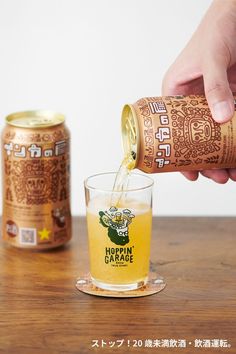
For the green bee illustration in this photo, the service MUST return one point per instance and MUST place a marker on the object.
(117, 223)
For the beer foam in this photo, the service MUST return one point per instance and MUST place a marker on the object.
(104, 203)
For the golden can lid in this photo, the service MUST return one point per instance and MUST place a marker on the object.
(130, 133)
(35, 119)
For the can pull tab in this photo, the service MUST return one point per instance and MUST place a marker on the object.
(130, 126)
(40, 121)
(130, 135)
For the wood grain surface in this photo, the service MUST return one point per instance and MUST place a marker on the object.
(41, 312)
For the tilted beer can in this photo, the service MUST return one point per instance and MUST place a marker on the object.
(36, 180)
(177, 133)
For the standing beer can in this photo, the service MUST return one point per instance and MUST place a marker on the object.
(176, 133)
(36, 180)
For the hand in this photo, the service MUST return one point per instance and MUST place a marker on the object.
(208, 65)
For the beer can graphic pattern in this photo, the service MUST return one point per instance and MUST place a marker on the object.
(178, 133)
(36, 180)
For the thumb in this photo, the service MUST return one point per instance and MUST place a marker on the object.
(217, 90)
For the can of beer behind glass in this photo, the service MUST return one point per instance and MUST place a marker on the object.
(176, 133)
(36, 180)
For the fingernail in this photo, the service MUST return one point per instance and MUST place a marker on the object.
(222, 111)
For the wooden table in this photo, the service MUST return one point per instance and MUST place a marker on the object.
(41, 312)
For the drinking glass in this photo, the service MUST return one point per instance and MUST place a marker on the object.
(119, 227)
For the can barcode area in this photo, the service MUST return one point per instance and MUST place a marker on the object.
(28, 236)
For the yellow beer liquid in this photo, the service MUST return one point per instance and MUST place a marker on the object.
(119, 264)
(122, 178)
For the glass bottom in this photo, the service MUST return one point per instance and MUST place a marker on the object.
(155, 284)
(119, 287)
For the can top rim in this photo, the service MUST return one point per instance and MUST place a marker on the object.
(130, 147)
(35, 119)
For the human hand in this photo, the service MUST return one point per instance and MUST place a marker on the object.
(208, 65)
